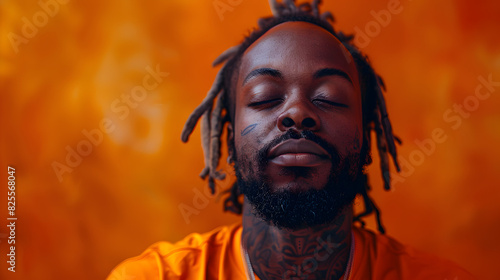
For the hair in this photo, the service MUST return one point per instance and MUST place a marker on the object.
(218, 106)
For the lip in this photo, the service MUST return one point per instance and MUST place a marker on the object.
(298, 152)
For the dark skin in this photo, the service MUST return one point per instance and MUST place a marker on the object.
(296, 76)
(312, 253)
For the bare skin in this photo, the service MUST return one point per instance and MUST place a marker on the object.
(297, 76)
(314, 253)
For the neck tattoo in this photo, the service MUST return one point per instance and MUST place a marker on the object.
(251, 276)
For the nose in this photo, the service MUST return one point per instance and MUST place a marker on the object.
(299, 114)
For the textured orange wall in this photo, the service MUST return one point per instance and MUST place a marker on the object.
(69, 73)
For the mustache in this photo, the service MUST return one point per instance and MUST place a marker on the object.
(294, 134)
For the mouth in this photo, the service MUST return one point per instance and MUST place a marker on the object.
(298, 152)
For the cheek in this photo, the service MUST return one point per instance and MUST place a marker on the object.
(249, 137)
(248, 133)
(347, 125)
(252, 128)
(349, 139)
(356, 131)
(347, 133)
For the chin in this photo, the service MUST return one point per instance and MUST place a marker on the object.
(299, 185)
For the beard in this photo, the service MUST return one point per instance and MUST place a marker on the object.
(298, 209)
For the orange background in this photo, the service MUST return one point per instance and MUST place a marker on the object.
(125, 194)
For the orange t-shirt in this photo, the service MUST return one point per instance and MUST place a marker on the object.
(217, 255)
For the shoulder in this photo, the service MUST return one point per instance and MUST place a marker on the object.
(386, 258)
(188, 258)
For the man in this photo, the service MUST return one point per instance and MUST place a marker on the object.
(300, 103)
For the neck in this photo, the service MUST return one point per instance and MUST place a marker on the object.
(312, 253)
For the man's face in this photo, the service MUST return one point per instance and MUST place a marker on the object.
(298, 125)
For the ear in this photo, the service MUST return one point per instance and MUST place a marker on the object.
(230, 142)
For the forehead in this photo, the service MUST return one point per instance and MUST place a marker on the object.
(299, 48)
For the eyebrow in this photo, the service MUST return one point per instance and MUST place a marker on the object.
(332, 72)
(263, 72)
(277, 74)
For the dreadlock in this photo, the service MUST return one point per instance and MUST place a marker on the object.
(218, 106)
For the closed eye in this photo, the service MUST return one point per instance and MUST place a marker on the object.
(265, 102)
(332, 103)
